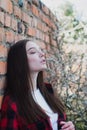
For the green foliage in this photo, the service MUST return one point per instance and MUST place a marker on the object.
(69, 66)
(73, 30)
(68, 10)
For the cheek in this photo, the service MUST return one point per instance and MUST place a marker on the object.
(33, 63)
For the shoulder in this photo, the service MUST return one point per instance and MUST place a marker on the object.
(49, 87)
(8, 104)
(9, 118)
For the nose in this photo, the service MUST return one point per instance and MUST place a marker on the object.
(42, 53)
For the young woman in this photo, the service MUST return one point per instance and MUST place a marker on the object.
(28, 103)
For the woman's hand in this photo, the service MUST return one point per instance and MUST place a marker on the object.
(67, 125)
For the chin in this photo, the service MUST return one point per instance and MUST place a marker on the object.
(44, 68)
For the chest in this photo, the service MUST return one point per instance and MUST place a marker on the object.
(39, 125)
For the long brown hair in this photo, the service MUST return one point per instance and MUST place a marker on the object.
(19, 85)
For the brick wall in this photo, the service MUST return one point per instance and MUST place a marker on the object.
(32, 20)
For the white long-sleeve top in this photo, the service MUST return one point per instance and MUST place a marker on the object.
(43, 104)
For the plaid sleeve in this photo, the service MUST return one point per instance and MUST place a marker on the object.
(61, 117)
(8, 120)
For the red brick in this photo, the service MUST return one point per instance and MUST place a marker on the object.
(23, 28)
(46, 19)
(39, 25)
(41, 44)
(14, 24)
(48, 48)
(2, 17)
(45, 28)
(19, 37)
(2, 67)
(35, 10)
(34, 22)
(37, 33)
(6, 5)
(26, 18)
(45, 10)
(50, 23)
(9, 36)
(46, 38)
(2, 34)
(27, 6)
(36, 2)
(43, 18)
(3, 51)
(31, 31)
(16, 38)
(54, 18)
(7, 20)
(53, 26)
(54, 43)
(16, 1)
(51, 14)
(40, 15)
(41, 35)
(17, 12)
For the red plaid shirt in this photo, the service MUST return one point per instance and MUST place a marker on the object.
(11, 120)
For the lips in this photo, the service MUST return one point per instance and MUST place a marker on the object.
(43, 61)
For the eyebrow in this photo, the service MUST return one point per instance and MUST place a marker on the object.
(31, 48)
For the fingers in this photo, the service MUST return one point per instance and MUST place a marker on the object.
(67, 125)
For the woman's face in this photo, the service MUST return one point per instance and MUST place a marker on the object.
(36, 57)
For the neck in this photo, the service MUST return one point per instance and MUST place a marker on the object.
(34, 80)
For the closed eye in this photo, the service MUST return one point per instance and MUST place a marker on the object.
(32, 52)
